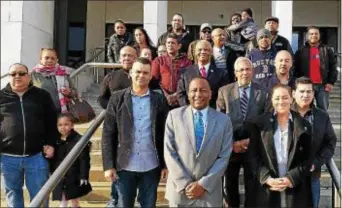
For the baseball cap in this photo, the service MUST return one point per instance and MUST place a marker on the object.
(206, 25)
(263, 32)
(275, 19)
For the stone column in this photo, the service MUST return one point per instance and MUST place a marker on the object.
(155, 18)
(283, 10)
(27, 26)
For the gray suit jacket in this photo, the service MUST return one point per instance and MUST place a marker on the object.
(186, 166)
(228, 102)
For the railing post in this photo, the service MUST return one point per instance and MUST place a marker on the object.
(336, 200)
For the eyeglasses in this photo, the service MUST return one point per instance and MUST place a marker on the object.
(206, 31)
(163, 51)
(246, 70)
(20, 74)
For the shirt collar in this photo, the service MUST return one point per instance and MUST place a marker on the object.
(205, 66)
(248, 86)
(290, 115)
(146, 94)
(308, 113)
(203, 111)
(219, 49)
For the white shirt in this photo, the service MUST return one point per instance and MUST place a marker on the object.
(206, 68)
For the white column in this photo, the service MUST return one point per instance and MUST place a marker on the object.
(27, 26)
(283, 10)
(155, 18)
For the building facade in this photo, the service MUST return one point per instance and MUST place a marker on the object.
(75, 28)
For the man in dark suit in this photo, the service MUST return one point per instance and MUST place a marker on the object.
(132, 139)
(242, 100)
(324, 138)
(216, 77)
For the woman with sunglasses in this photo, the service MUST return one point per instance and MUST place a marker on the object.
(54, 78)
(280, 145)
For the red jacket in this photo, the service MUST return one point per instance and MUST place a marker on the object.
(166, 71)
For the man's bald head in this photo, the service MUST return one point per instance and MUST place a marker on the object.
(219, 37)
(203, 52)
(283, 63)
(127, 57)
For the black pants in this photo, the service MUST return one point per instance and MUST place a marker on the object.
(231, 181)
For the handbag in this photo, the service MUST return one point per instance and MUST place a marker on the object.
(81, 110)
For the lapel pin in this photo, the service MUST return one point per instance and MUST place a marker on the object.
(211, 70)
(271, 120)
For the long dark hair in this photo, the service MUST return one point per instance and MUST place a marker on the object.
(148, 40)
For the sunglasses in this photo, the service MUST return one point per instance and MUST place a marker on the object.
(20, 74)
(206, 31)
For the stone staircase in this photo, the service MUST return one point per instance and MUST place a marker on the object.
(101, 188)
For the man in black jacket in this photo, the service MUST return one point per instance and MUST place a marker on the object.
(317, 61)
(324, 138)
(28, 131)
(117, 79)
(178, 29)
(278, 42)
(132, 139)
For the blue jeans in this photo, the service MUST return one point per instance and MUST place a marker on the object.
(146, 182)
(113, 202)
(321, 96)
(33, 168)
(316, 190)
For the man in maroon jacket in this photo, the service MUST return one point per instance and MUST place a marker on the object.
(166, 70)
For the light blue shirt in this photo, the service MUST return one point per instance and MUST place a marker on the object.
(248, 90)
(143, 156)
(204, 113)
(220, 57)
(204, 118)
(280, 142)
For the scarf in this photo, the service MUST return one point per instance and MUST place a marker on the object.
(60, 74)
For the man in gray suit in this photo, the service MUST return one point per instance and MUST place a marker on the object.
(241, 100)
(197, 147)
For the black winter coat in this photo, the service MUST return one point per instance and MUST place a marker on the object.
(263, 159)
(27, 123)
(328, 63)
(70, 183)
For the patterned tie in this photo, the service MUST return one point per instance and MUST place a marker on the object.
(203, 72)
(199, 130)
(244, 101)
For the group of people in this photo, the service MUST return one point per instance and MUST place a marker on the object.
(191, 112)
(37, 132)
(267, 92)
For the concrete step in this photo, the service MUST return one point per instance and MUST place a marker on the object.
(3, 203)
(101, 193)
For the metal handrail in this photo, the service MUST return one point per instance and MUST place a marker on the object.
(335, 175)
(59, 173)
(5, 75)
(92, 64)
